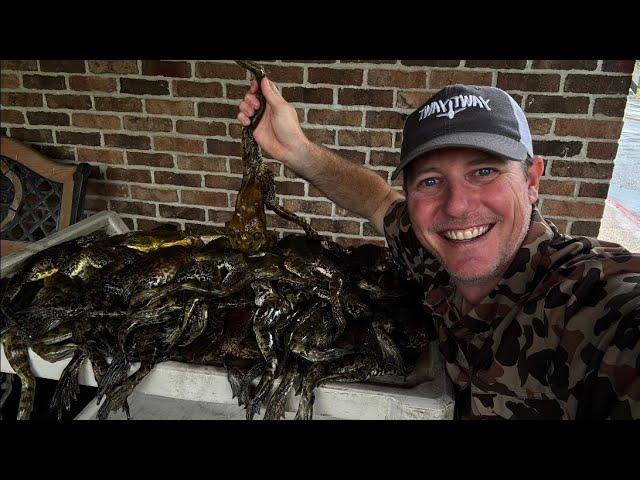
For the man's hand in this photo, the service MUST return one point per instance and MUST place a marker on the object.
(279, 132)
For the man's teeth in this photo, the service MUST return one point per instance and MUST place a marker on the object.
(466, 234)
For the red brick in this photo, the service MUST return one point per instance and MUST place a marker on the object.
(134, 208)
(565, 64)
(442, 78)
(165, 195)
(335, 76)
(146, 224)
(539, 126)
(220, 147)
(529, 82)
(323, 136)
(611, 107)
(78, 138)
(106, 189)
(572, 208)
(68, 66)
(198, 197)
(556, 104)
(90, 120)
(129, 222)
(352, 155)
(217, 110)
(220, 70)
(385, 119)
(307, 206)
(496, 64)
(139, 86)
(585, 229)
(336, 226)
(129, 175)
(397, 78)
(368, 230)
(555, 148)
(92, 204)
(599, 171)
(48, 118)
(237, 92)
(9, 80)
(19, 65)
(595, 190)
(556, 187)
(183, 179)
(112, 157)
(32, 135)
(235, 130)
(412, 99)
(384, 159)
(185, 88)
(602, 150)
(308, 95)
(367, 138)
(170, 107)
(163, 160)
(92, 84)
(113, 66)
(335, 117)
(355, 241)
(204, 164)
(206, 128)
(44, 82)
(73, 102)
(289, 188)
(165, 68)
(358, 96)
(11, 116)
(431, 63)
(186, 213)
(284, 74)
(220, 216)
(597, 84)
(127, 141)
(118, 104)
(222, 182)
(148, 124)
(177, 144)
(15, 99)
(588, 128)
(624, 66)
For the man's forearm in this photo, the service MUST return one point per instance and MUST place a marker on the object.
(353, 187)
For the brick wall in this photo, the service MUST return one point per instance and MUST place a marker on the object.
(164, 142)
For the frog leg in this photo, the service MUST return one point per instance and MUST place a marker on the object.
(272, 204)
(68, 386)
(274, 409)
(200, 324)
(311, 379)
(117, 372)
(117, 397)
(56, 352)
(390, 352)
(17, 353)
(6, 387)
(148, 316)
(192, 305)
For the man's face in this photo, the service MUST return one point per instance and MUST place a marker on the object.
(471, 210)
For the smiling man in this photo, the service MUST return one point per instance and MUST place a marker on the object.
(531, 323)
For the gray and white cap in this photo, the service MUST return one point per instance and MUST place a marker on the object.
(484, 118)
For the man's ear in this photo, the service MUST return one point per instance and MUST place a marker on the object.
(533, 182)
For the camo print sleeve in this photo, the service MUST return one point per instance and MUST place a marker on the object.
(418, 262)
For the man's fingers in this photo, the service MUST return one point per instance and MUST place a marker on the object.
(270, 91)
(243, 119)
(252, 100)
(247, 109)
(253, 87)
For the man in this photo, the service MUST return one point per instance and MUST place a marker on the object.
(531, 323)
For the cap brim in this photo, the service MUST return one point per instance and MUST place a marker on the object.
(486, 142)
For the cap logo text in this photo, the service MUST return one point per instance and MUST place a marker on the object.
(452, 106)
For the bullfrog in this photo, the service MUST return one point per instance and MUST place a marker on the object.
(247, 229)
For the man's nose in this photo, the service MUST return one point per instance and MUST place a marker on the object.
(460, 200)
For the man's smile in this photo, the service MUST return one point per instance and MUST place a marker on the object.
(466, 234)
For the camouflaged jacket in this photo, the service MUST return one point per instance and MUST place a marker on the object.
(558, 337)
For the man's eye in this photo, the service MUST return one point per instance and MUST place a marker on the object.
(429, 182)
(483, 172)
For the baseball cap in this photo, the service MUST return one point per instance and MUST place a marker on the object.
(484, 118)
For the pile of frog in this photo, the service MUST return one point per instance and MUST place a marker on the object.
(304, 311)
(278, 314)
